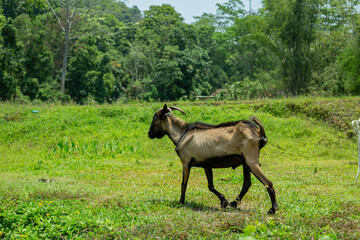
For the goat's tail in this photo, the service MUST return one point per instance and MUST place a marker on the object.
(263, 138)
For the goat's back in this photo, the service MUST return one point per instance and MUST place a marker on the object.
(203, 141)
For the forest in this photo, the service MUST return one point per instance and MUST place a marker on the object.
(104, 51)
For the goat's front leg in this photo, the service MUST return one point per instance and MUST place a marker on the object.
(245, 187)
(186, 173)
(209, 175)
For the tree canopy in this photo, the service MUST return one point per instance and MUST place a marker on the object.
(117, 53)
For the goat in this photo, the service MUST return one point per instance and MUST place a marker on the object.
(221, 146)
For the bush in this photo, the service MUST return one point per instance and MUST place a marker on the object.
(48, 91)
(30, 87)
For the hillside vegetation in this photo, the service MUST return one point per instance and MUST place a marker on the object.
(106, 51)
(91, 172)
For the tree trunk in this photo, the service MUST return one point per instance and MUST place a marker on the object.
(66, 47)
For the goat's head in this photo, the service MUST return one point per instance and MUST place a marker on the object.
(158, 125)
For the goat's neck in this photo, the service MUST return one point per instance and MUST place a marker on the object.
(176, 128)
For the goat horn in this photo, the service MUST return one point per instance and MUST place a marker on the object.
(170, 110)
(165, 110)
(176, 108)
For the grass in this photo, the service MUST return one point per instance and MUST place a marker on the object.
(91, 172)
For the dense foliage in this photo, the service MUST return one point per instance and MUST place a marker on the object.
(114, 52)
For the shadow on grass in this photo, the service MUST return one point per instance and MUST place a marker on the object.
(195, 206)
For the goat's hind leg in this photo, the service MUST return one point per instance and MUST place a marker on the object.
(209, 175)
(256, 170)
(245, 187)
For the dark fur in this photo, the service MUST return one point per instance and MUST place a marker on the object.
(232, 161)
(200, 125)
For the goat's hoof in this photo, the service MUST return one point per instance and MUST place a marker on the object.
(233, 204)
(271, 211)
(224, 203)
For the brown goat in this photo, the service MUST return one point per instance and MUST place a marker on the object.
(221, 146)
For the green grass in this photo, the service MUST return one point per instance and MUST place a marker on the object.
(91, 172)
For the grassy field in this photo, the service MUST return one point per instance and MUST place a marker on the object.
(91, 172)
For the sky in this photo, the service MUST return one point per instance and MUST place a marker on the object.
(190, 8)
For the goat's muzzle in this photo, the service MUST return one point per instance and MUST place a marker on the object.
(151, 135)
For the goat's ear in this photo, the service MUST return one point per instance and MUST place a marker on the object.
(164, 111)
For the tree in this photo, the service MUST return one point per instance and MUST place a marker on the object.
(11, 70)
(71, 18)
(298, 36)
(349, 63)
(254, 51)
(100, 90)
(38, 59)
(145, 46)
(158, 22)
(13, 8)
(229, 11)
(118, 9)
(70, 7)
(83, 70)
(168, 76)
(290, 47)
(336, 48)
(293, 23)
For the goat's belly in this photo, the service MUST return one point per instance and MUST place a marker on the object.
(219, 162)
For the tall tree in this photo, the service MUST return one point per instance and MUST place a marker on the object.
(83, 69)
(70, 7)
(293, 23)
(11, 70)
(298, 36)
